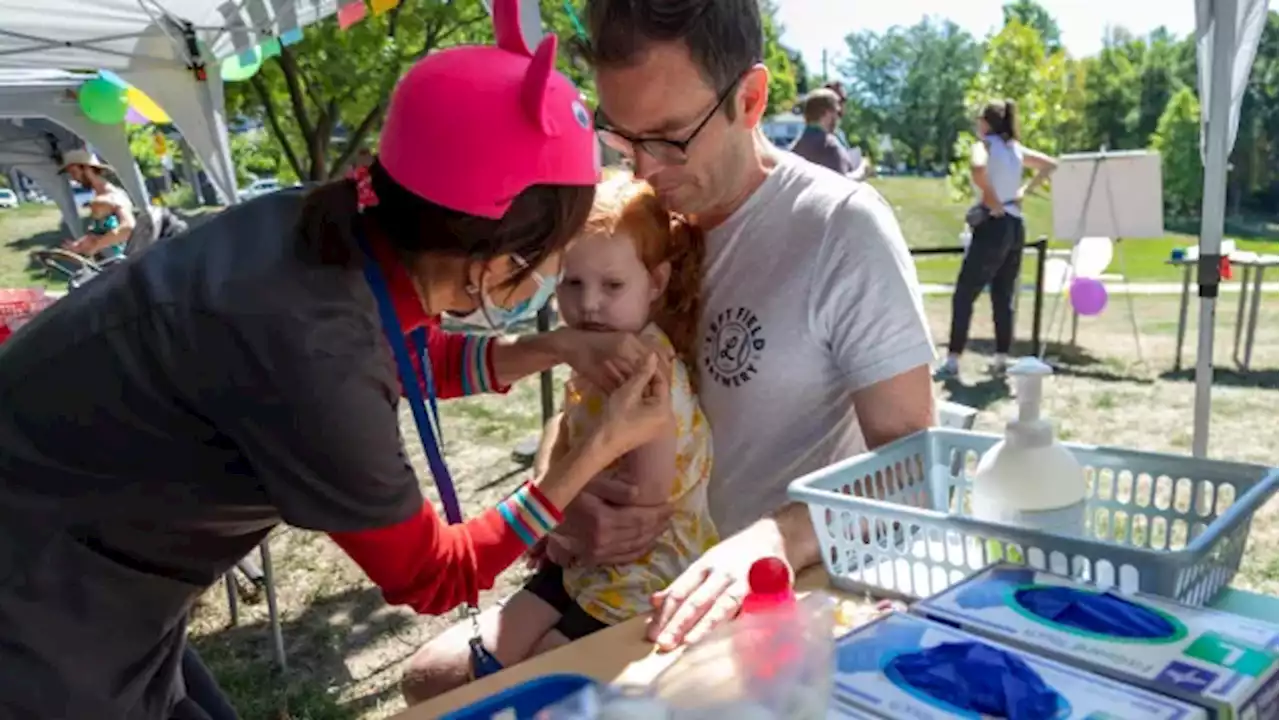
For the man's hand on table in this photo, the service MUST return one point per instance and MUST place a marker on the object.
(712, 589)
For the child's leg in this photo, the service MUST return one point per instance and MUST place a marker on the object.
(552, 640)
(509, 633)
(522, 624)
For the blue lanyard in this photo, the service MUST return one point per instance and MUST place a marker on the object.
(409, 380)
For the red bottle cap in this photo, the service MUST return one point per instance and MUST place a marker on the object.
(769, 581)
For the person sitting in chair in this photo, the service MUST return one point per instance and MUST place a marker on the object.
(87, 170)
(102, 238)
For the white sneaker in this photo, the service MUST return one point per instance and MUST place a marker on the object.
(999, 364)
(949, 368)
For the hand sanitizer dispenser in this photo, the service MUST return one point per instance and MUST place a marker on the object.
(1029, 479)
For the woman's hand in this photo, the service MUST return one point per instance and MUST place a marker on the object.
(607, 359)
(638, 410)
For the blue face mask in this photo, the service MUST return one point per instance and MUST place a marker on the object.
(492, 316)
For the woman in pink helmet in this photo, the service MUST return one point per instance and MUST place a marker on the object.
(157, 425)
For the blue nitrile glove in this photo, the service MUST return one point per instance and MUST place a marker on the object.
(978, 678)
(1094, 612)
(989, 592)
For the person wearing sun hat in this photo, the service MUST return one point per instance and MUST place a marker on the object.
(88, 171)
(249, 375)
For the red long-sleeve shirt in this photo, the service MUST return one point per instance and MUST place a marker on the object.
(422, 562)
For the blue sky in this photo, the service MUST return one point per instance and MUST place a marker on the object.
(813, 25)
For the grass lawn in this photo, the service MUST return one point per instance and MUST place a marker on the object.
(930, 217)
(346, 647)
(23, 229)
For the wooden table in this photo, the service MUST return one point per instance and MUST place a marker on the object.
(619, 654)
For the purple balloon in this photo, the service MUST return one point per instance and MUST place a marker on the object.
(133, 117)
(1088, 295)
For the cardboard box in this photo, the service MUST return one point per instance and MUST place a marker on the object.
(862, 655)
(1222, 662)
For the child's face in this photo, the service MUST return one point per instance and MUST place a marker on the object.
(605, 286)
(99, 210)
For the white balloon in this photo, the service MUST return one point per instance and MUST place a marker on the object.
(1057, 275)
(1091, 256)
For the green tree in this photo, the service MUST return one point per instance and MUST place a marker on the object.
(1111, 89)
(909, 83)
(142, 145)
(782, 74)
(1157, 81)
(1177, 138)
(801, 71)
(1034, 15)
(1047, 89)
(323, 99)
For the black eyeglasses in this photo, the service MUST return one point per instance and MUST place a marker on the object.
(664, 150)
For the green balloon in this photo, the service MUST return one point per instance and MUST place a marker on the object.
(237, 68)
(103, 101)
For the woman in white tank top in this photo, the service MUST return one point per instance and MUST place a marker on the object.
(994, 256)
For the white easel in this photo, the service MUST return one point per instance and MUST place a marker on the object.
(1085, 204)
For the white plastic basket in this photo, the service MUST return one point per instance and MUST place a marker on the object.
(1163, 524)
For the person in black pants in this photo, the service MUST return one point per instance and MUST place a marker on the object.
(994, 256)
(204, 699)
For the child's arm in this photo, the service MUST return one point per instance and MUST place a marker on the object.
(553, 446)
(653, 468)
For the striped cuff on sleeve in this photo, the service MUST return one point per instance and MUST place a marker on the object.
(477, 366)
(530, 514)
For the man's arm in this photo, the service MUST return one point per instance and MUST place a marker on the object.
(886, 411)
(866, 305)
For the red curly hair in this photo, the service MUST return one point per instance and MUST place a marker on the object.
(630, 206)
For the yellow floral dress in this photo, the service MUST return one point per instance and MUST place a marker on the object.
(615, 593)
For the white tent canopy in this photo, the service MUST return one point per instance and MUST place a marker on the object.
(169, 49)
(50, 94)
(1227, 33)
(33, 149)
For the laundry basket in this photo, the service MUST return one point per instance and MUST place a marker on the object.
(895, 521)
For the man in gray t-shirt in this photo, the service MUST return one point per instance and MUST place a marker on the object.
(814, 345)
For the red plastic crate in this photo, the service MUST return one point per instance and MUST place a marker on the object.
(17, 305)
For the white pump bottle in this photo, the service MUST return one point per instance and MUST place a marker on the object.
(1028, 479)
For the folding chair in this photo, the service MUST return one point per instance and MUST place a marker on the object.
(263, 578)
(155, 224)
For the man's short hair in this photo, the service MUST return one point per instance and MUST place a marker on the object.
(725, 37)
(820, 102)
(837, 87)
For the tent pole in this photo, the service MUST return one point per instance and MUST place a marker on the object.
(1212, 211)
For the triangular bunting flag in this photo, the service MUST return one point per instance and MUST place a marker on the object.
(351, 14)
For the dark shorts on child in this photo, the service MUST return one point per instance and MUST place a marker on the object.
(548, 584)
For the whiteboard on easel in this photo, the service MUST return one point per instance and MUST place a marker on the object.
(1112, 194)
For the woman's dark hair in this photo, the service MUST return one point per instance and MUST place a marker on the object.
(541, 220)
(1002, 118)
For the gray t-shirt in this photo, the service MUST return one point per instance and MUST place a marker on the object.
(154, 426)
(823, 148)
(810, 295)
